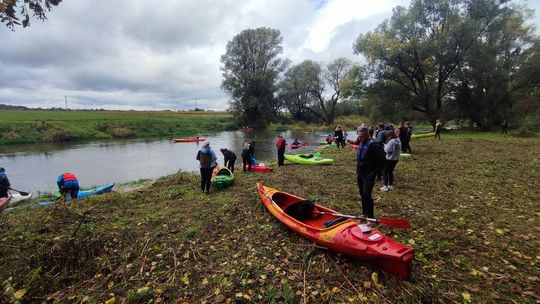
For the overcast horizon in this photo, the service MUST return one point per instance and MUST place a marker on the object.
(122, 55)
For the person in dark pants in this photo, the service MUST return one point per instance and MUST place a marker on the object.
(281, 143)
(392, 149)
(207, 159)
(229, 158)
(371, 158)
(504, 127)
(248, 152)
(68, 183)
(407, 142)
(438, 129)
(4, 183)
(402, 131)
(339, 137)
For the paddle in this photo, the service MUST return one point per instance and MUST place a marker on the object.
(392, 222)
(21, 192)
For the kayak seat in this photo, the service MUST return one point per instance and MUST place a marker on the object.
(301, 210)
(305, 156)
(334, 222)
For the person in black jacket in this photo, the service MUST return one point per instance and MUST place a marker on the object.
(248, 152)
(229, 158)
(339, 137)
(371, 158)
(4, 183)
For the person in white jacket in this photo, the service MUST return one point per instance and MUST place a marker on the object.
(392, 147)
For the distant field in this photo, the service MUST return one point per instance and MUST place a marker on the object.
(18, 126)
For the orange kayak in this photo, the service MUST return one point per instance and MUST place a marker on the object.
(338, 234)
(189, 139)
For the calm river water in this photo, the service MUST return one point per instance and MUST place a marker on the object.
(35, 167)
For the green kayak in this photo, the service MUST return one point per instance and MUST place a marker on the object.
(422, 135)
(309, 159)
(222, 179)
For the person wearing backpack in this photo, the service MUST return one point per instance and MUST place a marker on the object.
(371, 158)
(208, 160)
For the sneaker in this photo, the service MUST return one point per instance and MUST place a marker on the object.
(385, 188)
(390, 187)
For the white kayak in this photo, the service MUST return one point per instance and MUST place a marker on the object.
(17, 198)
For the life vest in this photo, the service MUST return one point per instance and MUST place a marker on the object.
(66, 177)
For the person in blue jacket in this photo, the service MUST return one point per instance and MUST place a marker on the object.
(4, 183)
(68, 183)
(207, 159)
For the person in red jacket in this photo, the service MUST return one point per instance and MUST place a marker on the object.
(281, 143)
(68, 183)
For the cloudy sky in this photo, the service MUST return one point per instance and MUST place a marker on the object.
(165, 54)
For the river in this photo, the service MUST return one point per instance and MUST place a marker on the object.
(34, 167)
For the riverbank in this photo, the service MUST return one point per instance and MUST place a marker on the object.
(35, 126)
(473, 202)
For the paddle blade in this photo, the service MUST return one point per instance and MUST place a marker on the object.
(395, 222)
(24, 193)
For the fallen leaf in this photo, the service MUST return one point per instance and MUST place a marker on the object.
(111, 301)
(375, 278)
(466, 296)
(19, 294)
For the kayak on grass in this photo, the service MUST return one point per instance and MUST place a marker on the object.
(337, 233)
(4, 202)
(222, 178)
(81, 194)
(422, 135)
(260, 167)
(17, 198)
(309, 159)
(184, 140)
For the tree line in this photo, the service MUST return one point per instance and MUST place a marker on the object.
(474, 60)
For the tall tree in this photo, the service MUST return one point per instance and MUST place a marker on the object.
(492, 74)
(250, 71)
(295, 88)
(12, 11)
(420, 47)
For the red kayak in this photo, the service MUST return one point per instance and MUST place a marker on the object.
(4, 202)
(181, 140)
(261, 168)
(293, 146)
(354, 147)
(337, 233)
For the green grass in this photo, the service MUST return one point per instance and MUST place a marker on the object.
(35, 126)
(472, 198)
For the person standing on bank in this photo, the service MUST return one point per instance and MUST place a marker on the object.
(392, 148)
(248, 151)
(281, 144)
(438, 129)
(504, 127)
(68, 183)
(4, 183)
(207, 159)
(371, 158)
(339, 137)
(229, 158)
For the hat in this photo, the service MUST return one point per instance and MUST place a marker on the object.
(2, 169)
(279, 135)
(206, 144)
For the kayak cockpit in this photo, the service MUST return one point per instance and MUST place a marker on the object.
(306, 212)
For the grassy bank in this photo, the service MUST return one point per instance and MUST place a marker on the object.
(473, 202)
(35, 126)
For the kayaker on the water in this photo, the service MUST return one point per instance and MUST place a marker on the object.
(68, 183)
(296, 142)
(229, 158)
(392, 148)
(207, 159)
(281, 143)
(4, 183)
(339, 137)
(371, 158)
